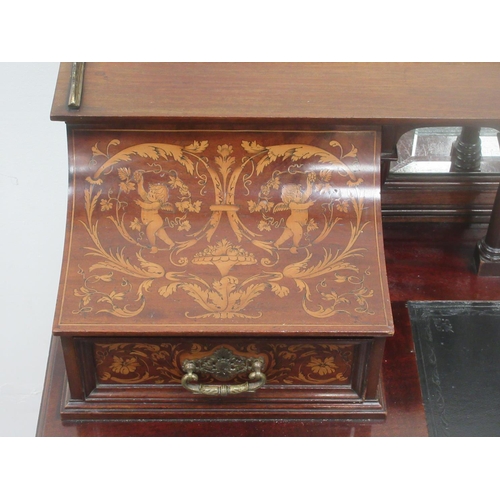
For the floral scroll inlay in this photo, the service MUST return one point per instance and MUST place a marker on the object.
(288, 364)
(322, 366)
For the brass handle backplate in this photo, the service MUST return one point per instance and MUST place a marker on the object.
(223, 365)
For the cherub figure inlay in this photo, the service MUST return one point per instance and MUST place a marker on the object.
(151, 202)
(297, 201)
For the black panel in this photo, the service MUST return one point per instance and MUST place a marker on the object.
(458, 355)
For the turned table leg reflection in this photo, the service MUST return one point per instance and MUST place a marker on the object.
(466, 151)
(487, 252)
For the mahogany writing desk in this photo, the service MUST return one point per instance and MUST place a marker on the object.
(278, 284)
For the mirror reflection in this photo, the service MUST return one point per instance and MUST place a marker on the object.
(430, 150)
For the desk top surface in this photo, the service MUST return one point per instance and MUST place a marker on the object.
(423, 94)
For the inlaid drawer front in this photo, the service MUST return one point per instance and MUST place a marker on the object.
(287, 363)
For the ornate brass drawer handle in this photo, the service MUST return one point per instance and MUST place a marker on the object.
(223, 365)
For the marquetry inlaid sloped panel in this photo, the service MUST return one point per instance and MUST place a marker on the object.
(224, 232)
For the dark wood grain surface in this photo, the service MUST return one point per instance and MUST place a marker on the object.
(360, 93)
(424, 262)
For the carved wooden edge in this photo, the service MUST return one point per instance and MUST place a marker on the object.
(461, 198)
(128, 409)
(45, 405)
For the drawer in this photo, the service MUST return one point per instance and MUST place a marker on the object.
(142, 377)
